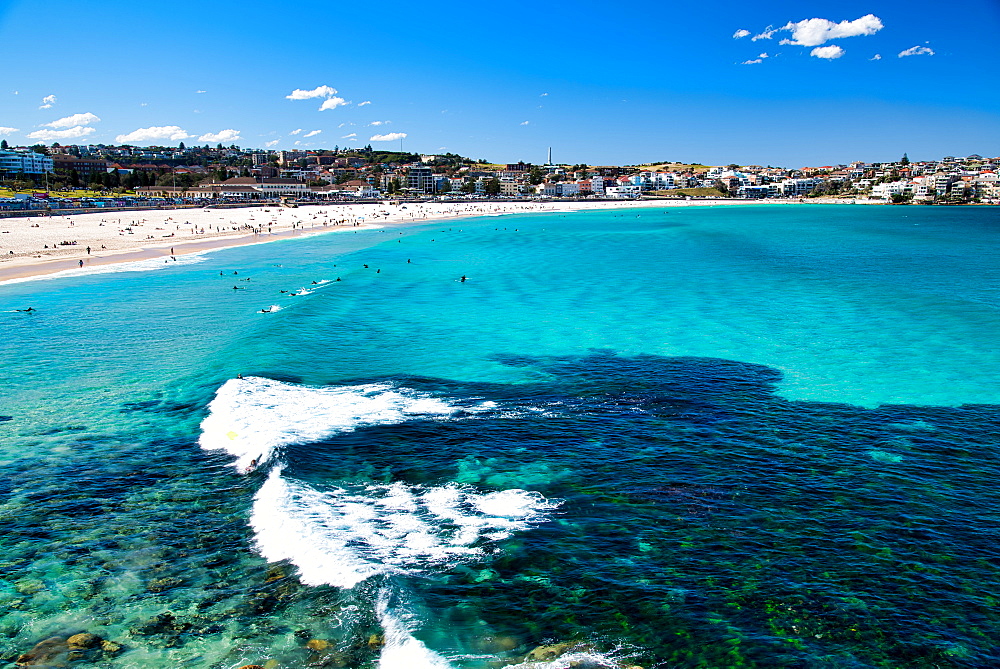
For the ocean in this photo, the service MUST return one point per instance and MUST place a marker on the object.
(741, 436)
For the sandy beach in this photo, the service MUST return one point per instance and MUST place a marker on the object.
(45, 245)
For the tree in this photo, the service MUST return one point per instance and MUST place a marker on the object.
(74, 178)
(469, 186)
(182, 147)
(445, 186)
(535, 175)
(905, 160)
(3, 144)
(493, 186)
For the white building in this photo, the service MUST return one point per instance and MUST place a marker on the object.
(29, 162)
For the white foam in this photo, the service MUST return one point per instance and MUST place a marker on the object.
(251, 417)
(402, 650)
(346, 535)
(147, 265)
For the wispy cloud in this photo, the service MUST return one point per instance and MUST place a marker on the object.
(229, 135)
(312, 133)
(349, 136)
(172, 132)
(201, 92)
(318, 92)
(273, 142)
(876, 57)
(69, 133)
(366, 102)
(766, 34)
(4, 130)
(333, 103)
(543, 95)
(828, 52)
(813, 32)
(380, 123)
(917, 51)
(752, 62)
(525, 122)
(296, 131)
(740, 33)
(388, 137)
(48, 101)
(75, 119)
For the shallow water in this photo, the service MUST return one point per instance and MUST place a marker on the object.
(751, 436)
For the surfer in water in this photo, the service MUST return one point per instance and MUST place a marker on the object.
(464, 278)
(29, 310)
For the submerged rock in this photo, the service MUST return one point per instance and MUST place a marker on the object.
(83, 640)
(110, 647)
(318, 644)
(51, 652)
(376, 641)
(556, 650)
(161, 584)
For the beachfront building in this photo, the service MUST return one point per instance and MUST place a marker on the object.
(27, 162)
(420, 179)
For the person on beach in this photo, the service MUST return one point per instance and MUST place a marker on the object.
(81, 262)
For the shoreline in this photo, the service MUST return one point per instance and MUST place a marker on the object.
(100, 240)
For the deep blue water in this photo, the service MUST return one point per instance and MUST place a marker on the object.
(759, 436)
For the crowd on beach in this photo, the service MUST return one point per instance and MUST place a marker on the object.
(27, 247)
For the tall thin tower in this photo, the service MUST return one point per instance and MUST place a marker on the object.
(550, 156)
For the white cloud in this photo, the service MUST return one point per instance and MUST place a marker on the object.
(297, 142)
(366, 102)
(296, 131)
(380, 123)
(48, 101)
(813, 32)
(740, 33)
(543, 95)
(75, 119)
(917, 51)
(353, 134)
(6, 131)
(388, 138)
(151, 133)
(763, 55)
(143, 104)
(273, 142)
(876, 57)
(229, 135)
(828, 52)
(312, 133)
(318, 92)
(333, 103)
(69, 133)
(752, 62)
(525, 122)
(764, 35)
(201, 91)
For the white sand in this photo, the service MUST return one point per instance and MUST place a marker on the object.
(33, 246)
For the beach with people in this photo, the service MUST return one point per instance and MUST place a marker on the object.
(47, 244)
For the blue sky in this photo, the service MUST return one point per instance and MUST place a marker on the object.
(600, 82)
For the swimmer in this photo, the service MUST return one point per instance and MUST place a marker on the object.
(338, 278)
(282, 291)
(366, 266)
(239, 376)
(315, 283)
(265, 311)
(463, 278)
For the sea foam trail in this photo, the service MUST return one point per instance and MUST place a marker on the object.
(343, 536)
(251, 417)
(402, 650)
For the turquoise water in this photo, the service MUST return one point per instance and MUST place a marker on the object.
(715, 437)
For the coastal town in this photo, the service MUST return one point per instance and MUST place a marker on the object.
(73, 176)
